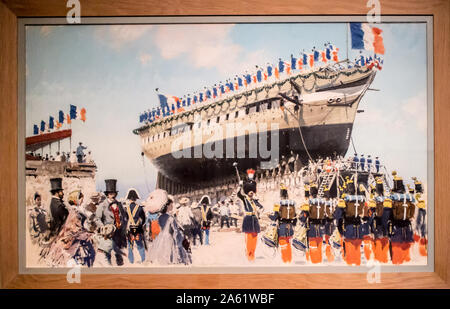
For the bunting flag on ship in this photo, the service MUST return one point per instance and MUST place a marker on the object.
(363, 37)
(55, 123)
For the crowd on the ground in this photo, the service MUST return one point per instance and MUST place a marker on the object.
(359, 220)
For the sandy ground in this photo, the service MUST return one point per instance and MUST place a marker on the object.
(227, 248)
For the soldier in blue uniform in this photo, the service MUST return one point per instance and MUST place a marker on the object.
(362, 162)
(355, 162)
(421, 221)
(250, 224)
(207, 216)
(348, 214)
(369, 163)
(284, 213)
(403, 209)
(136, 221)
(377, 164)
(315, 223)
(381, 221)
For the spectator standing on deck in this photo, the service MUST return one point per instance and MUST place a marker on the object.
(80, 153)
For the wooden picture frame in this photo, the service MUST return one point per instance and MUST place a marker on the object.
(9, 260)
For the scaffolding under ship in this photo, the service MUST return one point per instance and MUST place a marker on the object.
(310, 114)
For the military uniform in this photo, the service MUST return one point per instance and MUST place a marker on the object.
(329, 225)
(315, 225)
(284, 214)
(403, 209)
(250, 223)
(381, 220)
(349, 215)
(207, 216)
(421, 220)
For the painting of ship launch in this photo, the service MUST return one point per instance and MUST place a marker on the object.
(258, 145)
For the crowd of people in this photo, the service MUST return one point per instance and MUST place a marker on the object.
(73, 157)
(100, 230)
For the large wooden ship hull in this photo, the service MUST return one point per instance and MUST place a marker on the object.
(298, 117)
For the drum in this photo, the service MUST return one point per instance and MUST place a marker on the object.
(300, 240)
(270, 238)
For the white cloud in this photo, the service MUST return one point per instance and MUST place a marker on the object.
(45, 31)
(118, 35)
(206, 46)
(416, 109)
(145, 58)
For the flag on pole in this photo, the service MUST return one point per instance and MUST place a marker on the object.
(73, 112)
(366, 37)
(83, 114)
(61, 117)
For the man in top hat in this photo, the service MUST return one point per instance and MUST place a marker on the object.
(58, 210)
(136, 221)
(111, 213)
(250, 223)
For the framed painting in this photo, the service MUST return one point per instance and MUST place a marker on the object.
(307, 149)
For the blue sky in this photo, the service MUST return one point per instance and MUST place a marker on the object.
(113, 71)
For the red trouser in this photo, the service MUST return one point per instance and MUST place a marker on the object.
(315, 250)
(250, 243)
(353, 251)
(330, 256)
(286, 251)
(381, 249)
(400, 252)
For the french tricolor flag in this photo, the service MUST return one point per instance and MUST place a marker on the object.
(367, 37)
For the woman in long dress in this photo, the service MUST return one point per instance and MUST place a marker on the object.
(170, 246)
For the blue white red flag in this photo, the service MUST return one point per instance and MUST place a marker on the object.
(367, 37)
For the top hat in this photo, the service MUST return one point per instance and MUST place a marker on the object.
(36, 195)
(56, 184)
(110, 186)
(132, 194)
